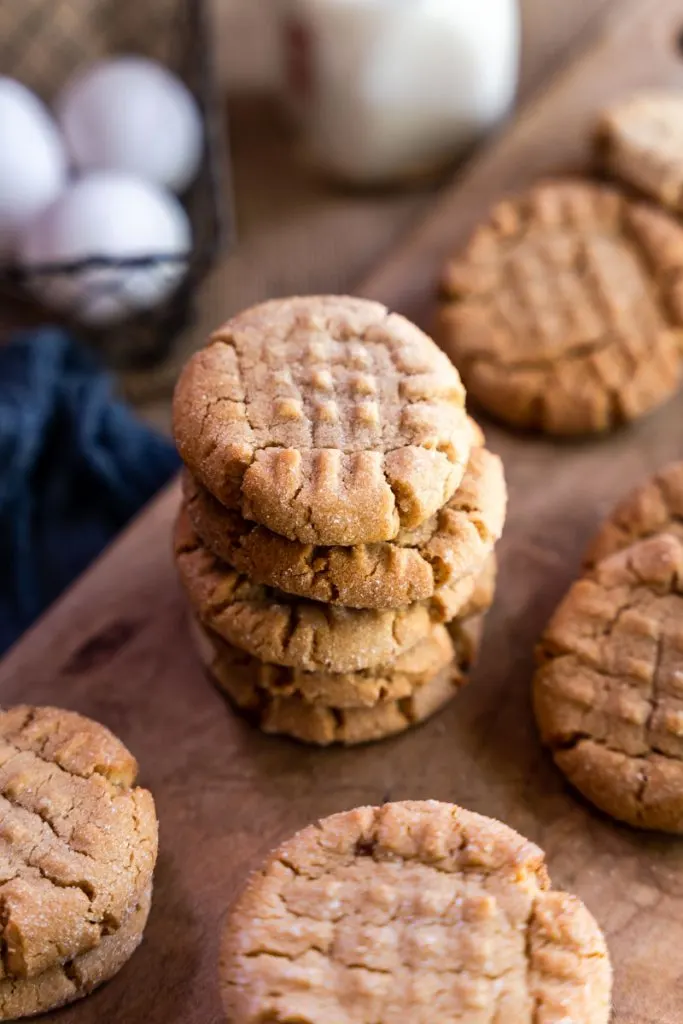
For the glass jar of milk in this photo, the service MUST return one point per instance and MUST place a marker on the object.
(387, 90)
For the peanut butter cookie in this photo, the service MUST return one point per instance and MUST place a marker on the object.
(449, 547)
(66, 982)
(327, 419)
(414, 911)
(608, 694)
(324, 725)
(275, 627)
(565, 312)
(654, 507)
(78, 840)
(640, 140)
(362, 689)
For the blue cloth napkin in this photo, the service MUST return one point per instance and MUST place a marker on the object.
(75, 465)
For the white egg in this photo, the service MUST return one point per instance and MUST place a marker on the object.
(33, 165)
(132, 114)
(115, 216)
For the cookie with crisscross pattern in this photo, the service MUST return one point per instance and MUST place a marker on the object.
(327, 419)
(276, 627)
(78, 840)
(565, 312)
(608, 693)
(418, 911)
(450, 546)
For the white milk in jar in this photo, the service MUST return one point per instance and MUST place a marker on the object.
(388, 89)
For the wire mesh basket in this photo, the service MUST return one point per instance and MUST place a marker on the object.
(42, 44)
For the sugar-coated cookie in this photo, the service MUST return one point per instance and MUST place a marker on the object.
(450, 546)
(327, 419)
(418, 911)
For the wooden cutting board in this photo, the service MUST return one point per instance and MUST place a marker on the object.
(116, 647)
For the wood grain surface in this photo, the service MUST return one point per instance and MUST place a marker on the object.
(116, 647)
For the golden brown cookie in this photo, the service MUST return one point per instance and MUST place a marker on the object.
(565, 312)
(450, 546)
(362, 689)
(275, 627)
(608, 693)
(415, 911)
(640, 140)
(654, 507)
(239, 676)
(78, 840)
(366, 687)
(324, 725)
(327, 419)
(67, 982)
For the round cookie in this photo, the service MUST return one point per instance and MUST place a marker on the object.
(640, 140)
(78, 840)
(565, 312)
(65, 983)
(418, 911)
(324, 725)
(364, 689)
(654, 507)
(274, 627)
(448, 547)
(608, 693)
(327, 419)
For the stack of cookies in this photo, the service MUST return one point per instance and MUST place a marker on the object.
(340, 512)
